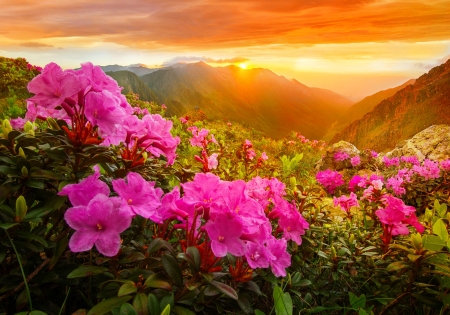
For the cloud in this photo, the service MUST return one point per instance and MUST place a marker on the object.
(190, 59)
(36, 45)
(204, 24)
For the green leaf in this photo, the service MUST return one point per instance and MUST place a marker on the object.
(106, 306)
(157, 244)
(6, 226)
(127, 309)
(85, 271)
(21, 209)
(37, 313)
(43, 174)
(182, 311)
(32, 236)
(153, 305)
(135, 256)
(157, 281)
(258, 312)
(357, 302)
(127, 288)
(283, 302)
(59, 250)
(172, 268)
(166, 310)
(140, 304)
(432, 242)
(397, 265)
(440, 229)
(51, 204)
(193, 252)
(225, 289)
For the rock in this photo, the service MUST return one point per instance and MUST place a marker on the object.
(328, 161)
(432, 143)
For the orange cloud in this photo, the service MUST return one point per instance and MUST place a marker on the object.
(204, 24)
(36, 45)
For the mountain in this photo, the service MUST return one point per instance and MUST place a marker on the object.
(255, 97)
(132, 83)
(138, 69)
(359, 109)
(399, 117)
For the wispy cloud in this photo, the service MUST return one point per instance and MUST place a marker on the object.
(36, 45)
(190, 59)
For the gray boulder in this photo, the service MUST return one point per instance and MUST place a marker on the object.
(432, 143)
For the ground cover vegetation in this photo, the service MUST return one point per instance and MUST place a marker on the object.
(108, 206)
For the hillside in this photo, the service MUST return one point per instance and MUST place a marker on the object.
(132, 83)
(359, 109)
(255, 97)
(410, 110)
(137, 69)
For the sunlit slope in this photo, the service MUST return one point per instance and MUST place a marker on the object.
(255, 97)
(410, 110)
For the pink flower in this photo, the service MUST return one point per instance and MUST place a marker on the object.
(82, 193)
(282, 258)
(330, 180)
(264, 156)
(395, 161)
(212, 161)
(373, 154)
(341, 156)
(140, 195)
(100, 222)
(410, 159)
(258, 256)
(225, 234)
(183, 120)
(18, 123)
(163, 106)
(395, 183)
(355, 161)
(345, 203)
(445, 165)
(53, 85)
(428, 170)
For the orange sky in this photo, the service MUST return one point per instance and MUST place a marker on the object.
(353, 47)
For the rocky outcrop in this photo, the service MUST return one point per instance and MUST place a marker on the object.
(432, 143)
(328, 161)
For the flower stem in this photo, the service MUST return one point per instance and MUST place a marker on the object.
(21, 269)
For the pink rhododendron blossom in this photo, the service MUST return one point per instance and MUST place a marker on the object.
(355, 161)
(373, 154)
(81, 193)
(290, 222)
(53, 85)
(163, 106)
(100, 222)
(212, 161)
(341, 156)
(103, 110)
(355, 182)
(183, 120)
(140, 195)
(428, 170)
(345, 203)
(204, 190)
(445, 165)
(158, 140)
(330, 180)
(410, 159)
(264, 156)
(225, 234)
(18, 123)
(377, 184)
(282, 260)
(258, 256)
(395, 183)
(395, 161)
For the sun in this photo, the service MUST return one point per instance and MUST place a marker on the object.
(243, 66)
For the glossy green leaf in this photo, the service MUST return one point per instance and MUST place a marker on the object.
(85, 271)
(357, 301)
(127, 288)
(432, 242)
(166, 310)
(157, 281)
(153, 305)
(172, 267)
(127, 309)
(182, 311)
(440, 229)
(106, 306)
(397, 265)
(282, 301)
(140, 304)
(133, 257)
(6, 226)
(225, 289)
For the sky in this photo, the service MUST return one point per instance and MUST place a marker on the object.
(352, 47)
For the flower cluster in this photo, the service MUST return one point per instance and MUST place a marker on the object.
(330, 180)
(99, 219)
(97, 113)
(395, 161)
(340, 156)
(200, 139)
(346, 203)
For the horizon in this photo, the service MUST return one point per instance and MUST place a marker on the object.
(353, 48)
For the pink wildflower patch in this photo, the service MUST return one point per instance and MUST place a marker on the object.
(341, 156)
(330, 180)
